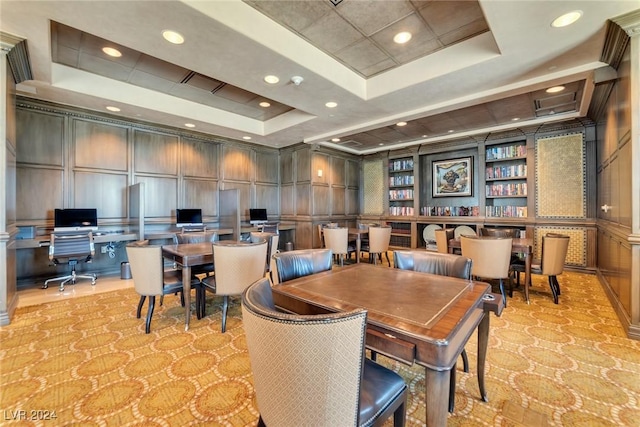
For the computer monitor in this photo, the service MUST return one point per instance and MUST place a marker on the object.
(189, 217)
(75, 220)
(257, 216)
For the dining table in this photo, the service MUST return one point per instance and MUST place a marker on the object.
(412, 317)
(518, 246)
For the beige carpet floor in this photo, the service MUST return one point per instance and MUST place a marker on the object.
(87, 362)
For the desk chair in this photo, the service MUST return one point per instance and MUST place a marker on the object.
(554, 253)
(491, 258)
(444, 265)
(269, 227)
(293, 264)
(311, 370)
(71, 248)
(237, 266)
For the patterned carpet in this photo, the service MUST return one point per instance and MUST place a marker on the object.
(88, 361)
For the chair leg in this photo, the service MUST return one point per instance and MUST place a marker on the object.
(261, 422)
(452, 388)
(152, 303)
(554, 291)
(225, 306)
(388, 260)
(555, 280)
(465, 360)
(140, 304)
(374, 356)
(504, 295)
(400, 415)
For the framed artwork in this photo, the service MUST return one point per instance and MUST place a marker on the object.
(452, 178)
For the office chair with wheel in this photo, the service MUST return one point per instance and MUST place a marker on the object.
(71, 248)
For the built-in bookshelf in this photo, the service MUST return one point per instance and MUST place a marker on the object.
(401, 187)
(506, 180)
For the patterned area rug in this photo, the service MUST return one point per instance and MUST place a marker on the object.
(87, 362)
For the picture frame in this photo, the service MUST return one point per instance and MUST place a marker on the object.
(453, 177)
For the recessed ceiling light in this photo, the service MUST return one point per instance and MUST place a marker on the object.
(112, 52)
(114, 109)
(401, 124)
(381, 144)
(335, 139)
(402, 37)
(515, 119)
(555, 89)
(331, 104)
(246, 137)
(451, 131)
(566, 19)
(190, 125)
(264, 104)
(173, 37)
(424, 136)
(271, 79)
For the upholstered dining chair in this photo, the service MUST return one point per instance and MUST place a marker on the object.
(303, 262)
(379, 238)
(491, 258)
(150, 278)
(443, 265)
(442, 239)
(337, 239)
(333, 385)
(551, 264)
(272, 240)
(237, 265)
(513, 233)
(197, 237)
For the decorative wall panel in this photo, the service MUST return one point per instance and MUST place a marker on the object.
(303, 199)
(39, 192)
(576, 254)
(244, 190)
(353, 174)
(237, 164)
(373, 187)
(287, 200)
(266, 167)
(199, 158)
(337, 201)
(321, 200)
(560, 177)
(39, 138)
(103, 191)
(286, 167)
(352, 197)
(155, 153)
(112, 140)
(338, 171)
(203, 194)
(267, 197)
(161, 196)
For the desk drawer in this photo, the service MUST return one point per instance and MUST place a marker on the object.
(402, 351)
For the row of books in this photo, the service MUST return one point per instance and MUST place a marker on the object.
(401, 165)
(401, 194)
(450, 210)
(515, 189)
(401, 210)
(507, 152)
(506, 211)
(515, 171)
(400, 180)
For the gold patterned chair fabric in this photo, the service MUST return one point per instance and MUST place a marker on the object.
(491, 258)
(237, 265)
(554, 254)
(150, 278)
(311, 370)
(303, 262)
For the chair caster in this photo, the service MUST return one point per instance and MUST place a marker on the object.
(45, 286)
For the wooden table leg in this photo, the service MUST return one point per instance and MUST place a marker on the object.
(483, 343)
(437, 397)
(358, 245)
(186, 292)
(527, 275)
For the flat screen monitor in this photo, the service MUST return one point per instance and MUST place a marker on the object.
(257, 216)
(75, 220)
(189, 217)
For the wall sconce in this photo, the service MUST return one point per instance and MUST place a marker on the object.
(319, 172)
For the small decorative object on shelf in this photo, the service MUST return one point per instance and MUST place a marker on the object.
(450, 210)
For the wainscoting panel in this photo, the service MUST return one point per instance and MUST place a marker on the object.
(106, 192)
(266, 167)
(111, 139)
(40, 138)
(199, 158)
(39, 191)
(200, 193)
(267, 197)
(155, 153)
(576, 254)
(161, 196)
(237, 164)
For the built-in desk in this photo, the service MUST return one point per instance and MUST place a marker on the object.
(106, 237)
